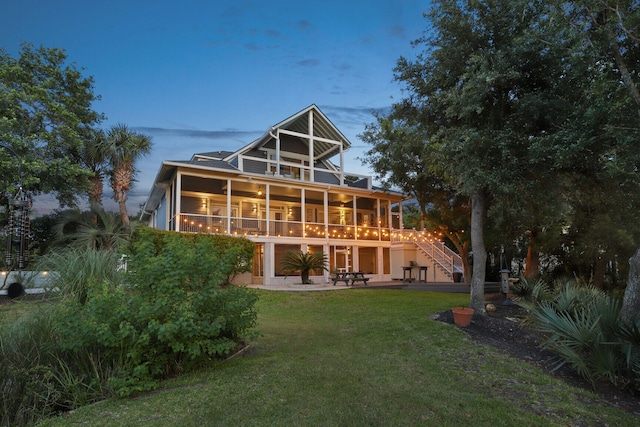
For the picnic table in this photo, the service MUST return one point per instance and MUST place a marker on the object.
(349, 277)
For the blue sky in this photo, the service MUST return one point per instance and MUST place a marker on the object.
(214, 75)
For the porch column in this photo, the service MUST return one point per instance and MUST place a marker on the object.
(355, 219)
(228, 206)
(378, 219)
(303, 213)
(177, 201)
(326, 215)
(267, 201)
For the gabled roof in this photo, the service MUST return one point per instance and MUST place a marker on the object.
(328, 142)
(323, 129)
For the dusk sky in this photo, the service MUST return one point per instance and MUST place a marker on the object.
(213, 75)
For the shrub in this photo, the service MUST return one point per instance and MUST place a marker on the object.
(78, 269)
(582, 325)
(177, 314)
(27, 382)
(173, 314)
(115, 332)
(303, 262)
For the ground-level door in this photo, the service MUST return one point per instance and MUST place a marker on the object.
(341, 258)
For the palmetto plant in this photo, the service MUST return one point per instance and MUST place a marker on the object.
(94, 229)
(304, 262)
(582, 325)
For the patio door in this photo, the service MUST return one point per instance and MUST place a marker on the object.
(341, 258)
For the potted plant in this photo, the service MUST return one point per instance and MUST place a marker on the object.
(462, 316)
(303, 262)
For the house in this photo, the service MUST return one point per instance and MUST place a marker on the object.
(284, 191)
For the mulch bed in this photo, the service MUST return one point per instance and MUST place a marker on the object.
(503, 329)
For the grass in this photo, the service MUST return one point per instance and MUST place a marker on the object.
(358, 357)
(12, 310)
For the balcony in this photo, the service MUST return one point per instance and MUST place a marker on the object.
(194, 223)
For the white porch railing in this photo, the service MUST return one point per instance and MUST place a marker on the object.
(194, 223)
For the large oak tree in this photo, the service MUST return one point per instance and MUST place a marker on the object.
(46, 116)
(486, 88)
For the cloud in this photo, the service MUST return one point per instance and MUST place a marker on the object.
(303, 25)
(257, 47)
(352, 115)
(398, 31)
(192, 133)
(272, 33)
(309, 62)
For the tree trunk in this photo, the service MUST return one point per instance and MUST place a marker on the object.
(120, 183)
(599, 269)
(622, 67)
(304, 276)
(124, 215)
(532, 269)
(463, 250)
(631, 300)
(478, 210)
(466, 264)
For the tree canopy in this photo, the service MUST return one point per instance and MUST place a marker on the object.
(528, 117)
(46, 115)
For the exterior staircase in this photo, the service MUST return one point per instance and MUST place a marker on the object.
(443, 258)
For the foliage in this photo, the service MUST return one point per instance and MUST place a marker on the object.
(121, 148)
(530, 292)
(304, 262)
(354, 358)
(94, 229)
(28, 386)
(178, 316)
(531, 108)
(46, 116)
(238, 251)
(488, 86)
(582, 325)
(111, 332)
(76, 270)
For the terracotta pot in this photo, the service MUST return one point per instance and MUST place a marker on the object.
(462, 316)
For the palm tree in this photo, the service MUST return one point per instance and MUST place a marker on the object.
(123, 148)
(93, 229)
(293, 261)
(94, 158)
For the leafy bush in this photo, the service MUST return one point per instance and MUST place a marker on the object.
(582, 325)
(114, 332)
(174, 313)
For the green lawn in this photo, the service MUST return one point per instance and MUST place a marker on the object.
(358, 357)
